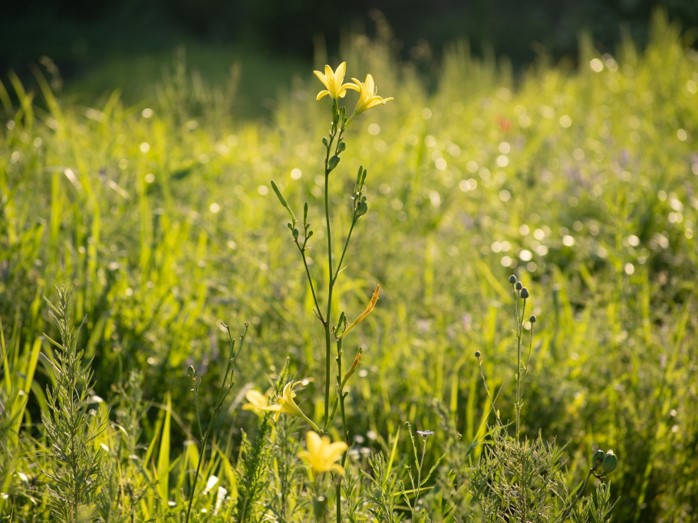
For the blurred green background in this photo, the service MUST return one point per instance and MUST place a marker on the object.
(128, 45)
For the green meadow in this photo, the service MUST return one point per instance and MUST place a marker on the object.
(132, 233)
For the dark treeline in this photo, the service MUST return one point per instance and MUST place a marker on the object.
(518, 30)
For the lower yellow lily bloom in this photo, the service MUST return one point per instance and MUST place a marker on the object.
(322, 455)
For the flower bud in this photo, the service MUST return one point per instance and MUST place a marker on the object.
(519, 285)
(333, 162)
(610, 462)
(477, 354)
(532, 319)
(524, 293)
(512, 279)
(597, 459)
(361, 208)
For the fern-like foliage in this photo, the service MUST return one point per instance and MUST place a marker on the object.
(70, 423)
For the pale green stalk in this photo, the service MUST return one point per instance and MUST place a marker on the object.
(226, 386)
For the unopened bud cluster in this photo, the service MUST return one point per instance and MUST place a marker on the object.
(523, 291)
(603, 463)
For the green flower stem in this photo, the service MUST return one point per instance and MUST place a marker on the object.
(520, 311)
(340, 399)
(318, 506)
(339, 121)
(335, 138)
(528, 356)
(338, 495)
(226, 386)
(326, 320)
(310, 422)
(301, 249)
(340, 390)
(344, 250)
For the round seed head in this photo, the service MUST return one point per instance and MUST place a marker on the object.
(532, 319)
(524, 293)
(512, 279)
(477, 354)
(519, 285)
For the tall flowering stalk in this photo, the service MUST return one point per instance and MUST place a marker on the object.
(336, 89)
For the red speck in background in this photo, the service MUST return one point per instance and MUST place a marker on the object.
(504, 124)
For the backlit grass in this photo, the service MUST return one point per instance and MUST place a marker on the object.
(160, 216)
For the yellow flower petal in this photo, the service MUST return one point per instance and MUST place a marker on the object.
(285, 404)
(368, 96)
(333, 82)
(257, 402)
(321, 455)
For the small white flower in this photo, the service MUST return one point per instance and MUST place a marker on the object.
(212, 481)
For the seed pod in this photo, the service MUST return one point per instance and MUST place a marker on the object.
(512, 279)
(610, 462)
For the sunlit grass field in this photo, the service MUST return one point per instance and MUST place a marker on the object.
(580, 180)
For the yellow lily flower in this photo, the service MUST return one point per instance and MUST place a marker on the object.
(368, 96)
(287, 405)
(332, 80)
(257, 402)
(321, 455)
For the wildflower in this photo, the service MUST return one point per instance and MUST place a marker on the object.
(332, 80)
(257, 401)
(212, 481)
(286, 404)
(220, 498)
(368, 96)
(369, 308)
(321, 455)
